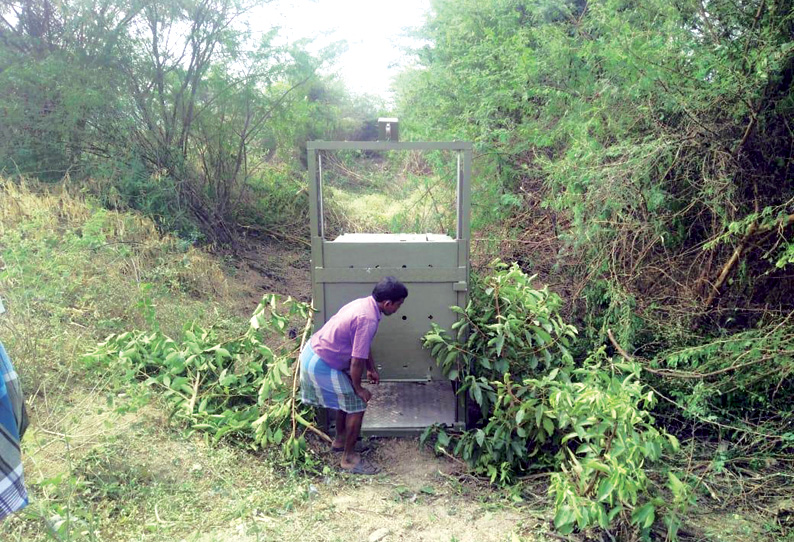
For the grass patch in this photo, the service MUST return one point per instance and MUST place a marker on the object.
(373, 195)
(70, 274)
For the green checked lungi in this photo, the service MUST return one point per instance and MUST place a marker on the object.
(322, 385)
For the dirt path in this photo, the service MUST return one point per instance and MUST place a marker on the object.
(417, 497)
(265, 265)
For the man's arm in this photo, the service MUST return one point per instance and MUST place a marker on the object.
(372, 373)
(357, 366)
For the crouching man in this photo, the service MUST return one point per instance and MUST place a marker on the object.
(335, 359)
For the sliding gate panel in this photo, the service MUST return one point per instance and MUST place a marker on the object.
(427, 265)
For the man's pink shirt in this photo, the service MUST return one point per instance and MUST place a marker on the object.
(348, 334)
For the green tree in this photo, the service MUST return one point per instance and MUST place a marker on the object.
(173, 108)
(643, 151)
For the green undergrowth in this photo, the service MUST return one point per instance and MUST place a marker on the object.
(71, 273)
(241, 390)
(154, 434)
(589, 424)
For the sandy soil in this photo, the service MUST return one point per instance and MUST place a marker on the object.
(416, 497)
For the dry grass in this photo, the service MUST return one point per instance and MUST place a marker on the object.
(43, 213)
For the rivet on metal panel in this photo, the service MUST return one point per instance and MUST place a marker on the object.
(405, 318)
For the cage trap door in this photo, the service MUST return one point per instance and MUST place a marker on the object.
(427, 265)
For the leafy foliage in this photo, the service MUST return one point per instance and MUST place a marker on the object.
(649, 147)
(632, 133)
(750, 371)
(240, 390)
(508, 326)
(592, 424)
(615, 441)
(178, 109)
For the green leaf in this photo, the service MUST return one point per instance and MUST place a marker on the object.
(644, 516)
(543, 335)
(603, 519)
(605, 488)
(564, 519)
(500, 342)
(548, 425)
(451, 357)
(477, 393)
(676, 486)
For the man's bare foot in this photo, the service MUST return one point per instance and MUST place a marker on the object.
(338, 443)
(349, 462)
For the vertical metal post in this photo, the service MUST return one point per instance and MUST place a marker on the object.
(315, 184)
(316, 219)
(458, 196)
(321, 215)
(314, 205)
(463, 241)
(464, 209)
(464, 195)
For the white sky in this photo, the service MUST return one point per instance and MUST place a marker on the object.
(372, 28)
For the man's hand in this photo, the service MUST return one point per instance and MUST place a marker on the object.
(373, 377)
(364, 393)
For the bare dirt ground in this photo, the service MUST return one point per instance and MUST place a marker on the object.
(266, 265)
(416, 497)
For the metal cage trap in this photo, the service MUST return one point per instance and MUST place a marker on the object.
(413, 393)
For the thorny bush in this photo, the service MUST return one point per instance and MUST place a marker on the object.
(589, 425)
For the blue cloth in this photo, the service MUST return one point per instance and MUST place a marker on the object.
(322, 385)
(13, 495)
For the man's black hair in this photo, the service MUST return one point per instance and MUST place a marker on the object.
(389, 289)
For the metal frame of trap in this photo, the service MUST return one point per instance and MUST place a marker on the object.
(435, 268)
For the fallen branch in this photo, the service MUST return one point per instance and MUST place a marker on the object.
(752, 230)
(192, 403)
(630, 359)
(319, 433)
(296, 374)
